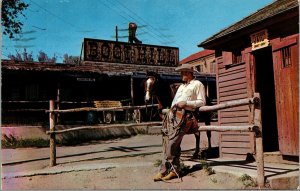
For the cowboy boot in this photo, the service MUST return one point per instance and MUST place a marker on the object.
(158, 177)
(170, 176)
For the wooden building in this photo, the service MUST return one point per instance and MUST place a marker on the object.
(204, 63)
(260, 53)
(109, 71)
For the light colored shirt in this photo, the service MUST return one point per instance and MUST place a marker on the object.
(193, 93)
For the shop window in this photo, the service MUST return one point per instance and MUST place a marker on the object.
(286, 57)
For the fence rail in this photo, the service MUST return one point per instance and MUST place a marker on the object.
(99, 109)
(256, 127)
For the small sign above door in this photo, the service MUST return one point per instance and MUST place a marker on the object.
(259, 39)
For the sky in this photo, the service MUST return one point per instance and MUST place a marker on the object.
(58, 27)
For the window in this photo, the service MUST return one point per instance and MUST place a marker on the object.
(199, 68)
(236, 57)
(286, 57)
(213, 68)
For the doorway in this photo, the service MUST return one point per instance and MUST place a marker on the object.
(265, 85)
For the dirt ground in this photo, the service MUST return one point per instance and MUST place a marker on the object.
(132, 173)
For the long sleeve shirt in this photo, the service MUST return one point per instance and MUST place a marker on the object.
(193, 93)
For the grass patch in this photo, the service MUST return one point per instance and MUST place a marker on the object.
(12, 142)
(157, 163)
(207, 169)
(248, 180)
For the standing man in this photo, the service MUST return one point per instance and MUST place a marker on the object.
(189, 96)
(132, 27)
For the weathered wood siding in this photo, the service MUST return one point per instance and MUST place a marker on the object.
(287, 94)
(232, 85)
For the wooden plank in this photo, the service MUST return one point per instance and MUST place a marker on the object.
(233, 156)
(241, 144)
(233, 82)
(234, 120)
(223, 128)
(104, 127)
(102, 109)
(223, 70)
(232, 72)
(285, 43)
(235, 138)
(233, 97)
(233, 92)
(233, 87)
(229, 104)
(233, 76)
(234, 114)
(240, 108)
(236, 150)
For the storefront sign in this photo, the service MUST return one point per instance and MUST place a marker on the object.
(259, 39)
(129, 53)
(86, 79)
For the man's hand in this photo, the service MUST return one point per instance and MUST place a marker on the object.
(181, 104)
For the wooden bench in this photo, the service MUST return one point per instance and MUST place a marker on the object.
(108, 116)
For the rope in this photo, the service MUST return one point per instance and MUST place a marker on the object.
(168, 129)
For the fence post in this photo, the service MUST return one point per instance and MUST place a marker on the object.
(52, 135)
(259, 143)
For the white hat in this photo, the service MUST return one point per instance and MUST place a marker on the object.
(185, 67)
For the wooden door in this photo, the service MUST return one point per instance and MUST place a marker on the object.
(286, 76)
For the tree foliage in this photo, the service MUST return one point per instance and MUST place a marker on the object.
(27, 57)
(43, 57)
(24, 56)
(11, 10)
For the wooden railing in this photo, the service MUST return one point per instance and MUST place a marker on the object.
(255, 127)
(52, 122)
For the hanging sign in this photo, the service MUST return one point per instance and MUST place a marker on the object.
(259, 39)
(129, 53)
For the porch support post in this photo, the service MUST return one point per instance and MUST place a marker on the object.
(259, 143)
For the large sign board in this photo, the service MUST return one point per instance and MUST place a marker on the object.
(129, 53)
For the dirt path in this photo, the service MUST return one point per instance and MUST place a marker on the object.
(130, 173)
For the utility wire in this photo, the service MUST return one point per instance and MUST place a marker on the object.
(58, 17)
(118, 12)
(161, 34)
(141, 19)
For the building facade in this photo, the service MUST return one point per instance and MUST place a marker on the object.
(260, 54)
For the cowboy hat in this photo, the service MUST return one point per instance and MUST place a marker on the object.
(185, 67)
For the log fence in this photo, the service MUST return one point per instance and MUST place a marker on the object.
(255, 127)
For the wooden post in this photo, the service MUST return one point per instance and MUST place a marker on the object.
(58, 103)
(116, 33)
(52, 135)
(131, 90)
(259, 144)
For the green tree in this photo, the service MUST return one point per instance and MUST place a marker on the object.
(11, 10)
